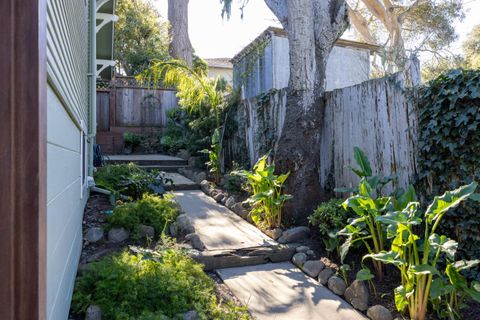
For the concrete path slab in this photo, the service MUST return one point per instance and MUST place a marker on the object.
(180, 182)
(281, 291)
(217, 226)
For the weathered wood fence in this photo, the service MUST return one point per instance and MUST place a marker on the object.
(133, 107)
(125, 106)
(377, 116)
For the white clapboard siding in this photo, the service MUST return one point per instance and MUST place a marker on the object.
(67, 109)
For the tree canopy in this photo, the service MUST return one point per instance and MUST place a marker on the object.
(141, 35)
(471, 48)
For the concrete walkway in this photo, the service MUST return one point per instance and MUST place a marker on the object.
(281, 291)
(142, 157)
(269, 290)
(217, 226)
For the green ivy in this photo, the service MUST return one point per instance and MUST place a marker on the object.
(449, 150)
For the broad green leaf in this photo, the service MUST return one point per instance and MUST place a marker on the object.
(386, 257)
(343, 250)
(436, 289)
(407, 197)
(363, 163)
(364, 275)
(475, 197)
(282, 178)
(364, 189)
(401, 300)
(423, 269)
(448, 200)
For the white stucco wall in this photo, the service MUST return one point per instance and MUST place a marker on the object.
(65, 203)
(225, 73)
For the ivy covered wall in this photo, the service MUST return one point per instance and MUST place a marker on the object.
(449, 150)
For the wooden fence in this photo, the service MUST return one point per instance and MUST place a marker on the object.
(377, 116)
(133, 107)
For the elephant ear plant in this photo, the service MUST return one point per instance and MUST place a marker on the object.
(418, 258)
(267, 198)
(214, 160)
(368, 204)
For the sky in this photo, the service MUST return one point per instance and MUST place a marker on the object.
(214, 37)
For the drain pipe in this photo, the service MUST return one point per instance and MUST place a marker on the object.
(92, 77)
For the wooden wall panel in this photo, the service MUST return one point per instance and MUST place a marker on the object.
(22, 160)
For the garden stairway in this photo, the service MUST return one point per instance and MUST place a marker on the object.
(256, 268)
(168, 164)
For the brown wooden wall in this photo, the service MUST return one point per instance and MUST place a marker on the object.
(133, 107)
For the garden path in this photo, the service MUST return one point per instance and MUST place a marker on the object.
(270, 290)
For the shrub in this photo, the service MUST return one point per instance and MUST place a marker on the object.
(142, 286)
(132, 139)
(267, 199)
(127, 179)
(150, 210)
(330, 217)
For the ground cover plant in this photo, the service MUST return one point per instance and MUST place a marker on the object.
(150, 285)
(129, 180)
(267, 197)
(429, 272)
(150, 210)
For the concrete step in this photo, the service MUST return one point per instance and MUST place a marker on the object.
(147, 160)
(180, 183)
(216, 259)
(163, 168)
(281, 291)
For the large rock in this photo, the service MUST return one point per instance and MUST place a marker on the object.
(146, 232)
(93, 313)
(205, 186)
(294, 234)
(324, 275)
(273, 233)
(184, 154)
(337, 285)
(313, 267)
(190, 315)
(379, 312)
(302, 249)
(116, 235)
(230, 202)
(240, 210)
(357, 294)
(184, 225)
(94, 234)
(195, 241)
(199, 177)
(192, 161)
(219, 197)
(299, 259)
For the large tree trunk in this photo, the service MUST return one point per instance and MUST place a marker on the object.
(313, 27)
(180, 46)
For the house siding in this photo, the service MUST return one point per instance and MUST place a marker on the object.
(67, 115)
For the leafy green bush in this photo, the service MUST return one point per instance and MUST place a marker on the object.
(127, 179)
(167, 283)
(214, 161)
(267, 198)
(448, 143)
(133, 140)
(330, 217)
(150, 210)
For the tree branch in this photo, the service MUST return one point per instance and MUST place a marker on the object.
(361, 25)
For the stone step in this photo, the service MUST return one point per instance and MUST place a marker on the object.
(281, 291)
(163, 168)
(180, 182)
(147, 160)
(216, 259)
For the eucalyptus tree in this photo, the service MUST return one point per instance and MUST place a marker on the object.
(180, 47)
(313, 27)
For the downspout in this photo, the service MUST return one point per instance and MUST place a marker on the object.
(92, 77)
